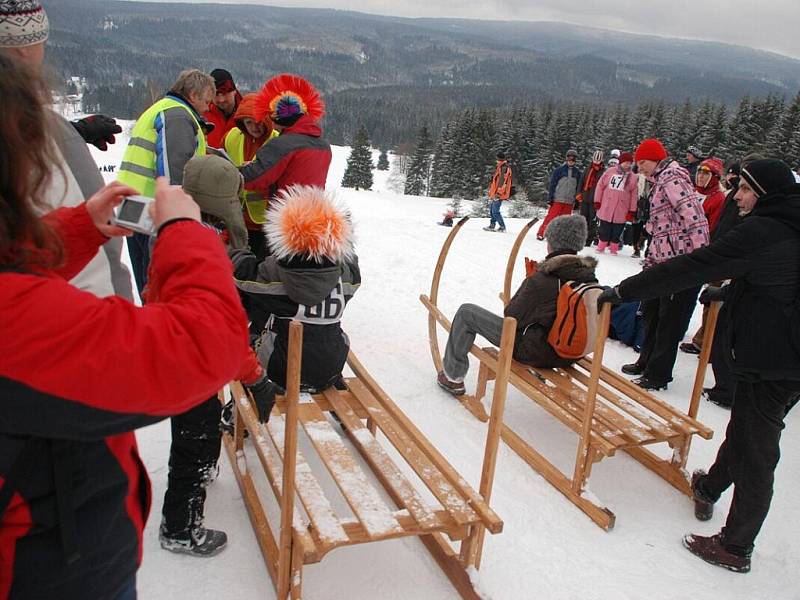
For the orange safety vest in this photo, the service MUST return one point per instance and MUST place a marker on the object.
(498, 190)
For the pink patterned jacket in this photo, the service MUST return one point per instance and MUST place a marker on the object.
(677, 223)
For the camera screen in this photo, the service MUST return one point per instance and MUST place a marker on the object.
(130, 210)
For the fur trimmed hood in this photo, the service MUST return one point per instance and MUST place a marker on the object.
(569, 266)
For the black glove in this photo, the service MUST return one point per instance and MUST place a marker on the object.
(713, 294)
(98, 130)
(609, 294)
(263, 392)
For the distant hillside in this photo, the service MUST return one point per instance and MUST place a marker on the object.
(370, 65)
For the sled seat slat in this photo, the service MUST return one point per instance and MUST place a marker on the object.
(361, 496)
(389, 474)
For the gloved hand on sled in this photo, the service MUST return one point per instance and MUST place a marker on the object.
(608, 295)
(263, 392)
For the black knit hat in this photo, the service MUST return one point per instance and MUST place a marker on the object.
(767, 175)
(223, 80)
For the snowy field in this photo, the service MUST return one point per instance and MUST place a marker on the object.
(549, 549)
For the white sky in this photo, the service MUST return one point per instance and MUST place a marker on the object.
(766, 24)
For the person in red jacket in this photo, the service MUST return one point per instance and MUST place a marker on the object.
(222, 110)
(707, 183)
(79, 373)
(300, 155)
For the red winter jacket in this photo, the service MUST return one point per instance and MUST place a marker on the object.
(222, 125)
(299, 155)
(78, 374)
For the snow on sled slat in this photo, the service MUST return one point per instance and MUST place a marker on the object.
(476, 501)
(663, 409)
(389, 474)
(445, 493)
(361, 496)
(313, 498)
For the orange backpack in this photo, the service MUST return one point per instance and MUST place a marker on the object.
(574, 331)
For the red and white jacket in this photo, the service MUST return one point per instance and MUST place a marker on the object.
(78, 373)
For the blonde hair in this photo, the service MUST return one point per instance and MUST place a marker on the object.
(192, 80)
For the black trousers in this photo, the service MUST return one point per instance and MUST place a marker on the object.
(665, 322)
(587, 212)
(748, 456)
(721, 360)
(139, 251)
(611, 232)
(193, 458)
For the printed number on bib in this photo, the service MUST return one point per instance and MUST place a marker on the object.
(328, 311)
(617, 182)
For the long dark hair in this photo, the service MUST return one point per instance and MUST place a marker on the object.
(27, 159)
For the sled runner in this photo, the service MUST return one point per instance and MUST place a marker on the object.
(608, 412)
(310, 526)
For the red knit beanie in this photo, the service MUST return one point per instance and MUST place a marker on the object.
(626, 157)
(651, 149)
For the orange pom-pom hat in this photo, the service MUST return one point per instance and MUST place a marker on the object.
(307, 222)
(247, 109)
(286, 97)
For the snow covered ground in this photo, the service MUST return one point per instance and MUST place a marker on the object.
(549, 549)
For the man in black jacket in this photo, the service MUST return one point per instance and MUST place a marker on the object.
(760, 256)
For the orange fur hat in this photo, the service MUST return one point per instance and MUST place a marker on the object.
(308, 222)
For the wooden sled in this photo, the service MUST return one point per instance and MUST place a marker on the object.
(607, 411)
(309, 525)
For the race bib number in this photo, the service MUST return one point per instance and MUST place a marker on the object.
(328, 311)
(617, 182)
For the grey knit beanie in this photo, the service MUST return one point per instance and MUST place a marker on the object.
(567, 232)
(22, 23)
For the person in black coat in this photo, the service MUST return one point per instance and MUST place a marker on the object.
(760, 256)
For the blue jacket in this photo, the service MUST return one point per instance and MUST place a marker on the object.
(562, 191)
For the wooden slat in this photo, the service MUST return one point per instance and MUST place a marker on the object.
(313, 498)
(633, 432)
(325, 406)
(564, 407)
(663, 409)
(489, 518)
(445, 493)
(660, 430)
(390, 476)
(364, 500)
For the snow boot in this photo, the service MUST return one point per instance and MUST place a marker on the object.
(456, 388)
(636, 254)
(501, 230)
(601, 247)
(614, 248)
(722, 399)
(689, 348)
(712, 550)
(703, 507)
(195, 541)
(488, 228)
(632, 369)
(650, 385)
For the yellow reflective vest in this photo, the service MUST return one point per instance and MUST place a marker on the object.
(253, 202)
(152, 151)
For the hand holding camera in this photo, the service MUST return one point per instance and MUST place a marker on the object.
(146, 215)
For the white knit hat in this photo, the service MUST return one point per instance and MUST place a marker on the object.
(22, 23)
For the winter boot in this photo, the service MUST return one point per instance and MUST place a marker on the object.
(456, 388)
(689, 348)
(196, 541)
(712, 550)
(649, 384)
(489, 228)
(501, 230)
(636, 253)
(703, 507)
(720, 398)
(601, 247)
(632, 369)
(614, 248)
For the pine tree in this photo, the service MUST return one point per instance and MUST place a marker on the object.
(383, 161)
(358, 173)
(742, 130)
(419, 169)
